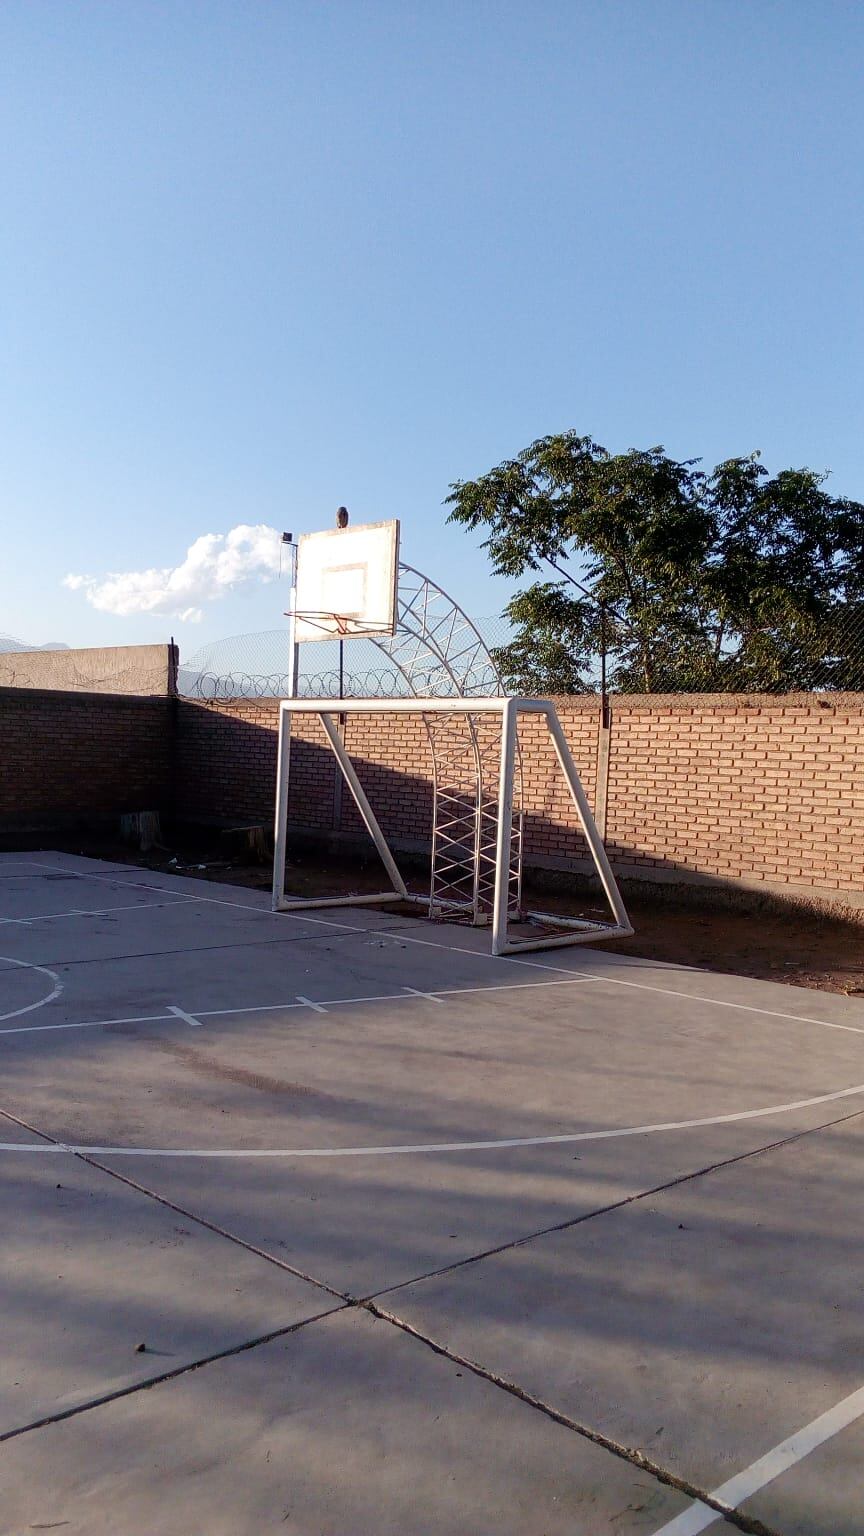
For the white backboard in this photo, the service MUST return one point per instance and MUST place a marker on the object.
(346, 582)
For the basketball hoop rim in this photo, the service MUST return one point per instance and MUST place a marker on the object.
(341, 620)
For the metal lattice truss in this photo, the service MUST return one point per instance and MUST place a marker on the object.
(470, 876)
(439, 653)
(466, 754)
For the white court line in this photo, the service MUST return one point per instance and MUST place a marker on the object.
(4, 876)
(43, 1029)
(213, 901)
(771, 1013)
(135, 906)
(297, 1002)
(688, 997)
(27, 965)
(390, 997)
(181, 1013)
(733, 1493)
(419, 1148)
(643, 986)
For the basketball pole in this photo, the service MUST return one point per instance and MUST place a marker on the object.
(342, 522)
(293, 647)
(283, 751)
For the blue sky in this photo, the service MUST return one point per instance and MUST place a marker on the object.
(257, 259)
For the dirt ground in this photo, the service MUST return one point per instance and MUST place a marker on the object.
(791, 946)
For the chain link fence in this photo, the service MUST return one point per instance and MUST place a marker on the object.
(258, 666)
(806, 658)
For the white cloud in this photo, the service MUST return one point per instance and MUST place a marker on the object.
(213, 566)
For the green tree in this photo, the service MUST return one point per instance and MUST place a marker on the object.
(697, 581)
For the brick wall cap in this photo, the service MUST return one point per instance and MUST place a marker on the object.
(590, 702)
(683, 702)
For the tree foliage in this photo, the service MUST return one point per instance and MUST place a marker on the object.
(700, 581)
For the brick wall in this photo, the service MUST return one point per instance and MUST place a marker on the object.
(73, 758)
(761, 791)
(756, 791)
(226, 769)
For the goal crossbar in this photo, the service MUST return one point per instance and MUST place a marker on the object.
(573, 930)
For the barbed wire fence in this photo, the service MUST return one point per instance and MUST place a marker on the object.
(259, 666)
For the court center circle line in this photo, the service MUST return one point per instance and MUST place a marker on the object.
(427, 1148)
(28, 965)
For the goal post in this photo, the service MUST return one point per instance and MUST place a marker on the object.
(573, 930)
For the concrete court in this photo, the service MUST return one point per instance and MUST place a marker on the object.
(416, 1241)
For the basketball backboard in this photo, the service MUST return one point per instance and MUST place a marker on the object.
(346, 582)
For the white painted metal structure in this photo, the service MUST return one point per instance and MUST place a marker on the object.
(349, 582)
(499, 818)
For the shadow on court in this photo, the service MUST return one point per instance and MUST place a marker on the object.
(697, 1305)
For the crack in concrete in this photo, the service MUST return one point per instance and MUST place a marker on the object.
(630, 1454)
(626, 1453)
(180, 1210)
(615, 1205)
(179, 1370)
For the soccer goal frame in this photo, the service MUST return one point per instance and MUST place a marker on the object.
(571, 930)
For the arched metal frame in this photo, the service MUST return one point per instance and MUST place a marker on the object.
(430, 626)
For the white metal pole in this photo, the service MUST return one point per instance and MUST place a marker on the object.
(505, 827)
(293, 647)
(441, 704)
(592, 836)
(362, 804)
(283, 754)
(280, 830)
